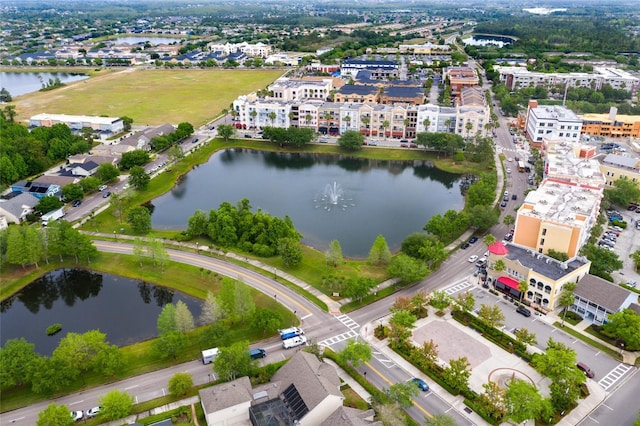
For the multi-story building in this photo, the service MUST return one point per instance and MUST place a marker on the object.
(571, 162)
(520, 77)
(559, 215)
(551, 121)
(260, 50)
(615, 167)
(358, 93)
(413, 95)
(285, 89)
(380, 70)
(596, 299)
(545, 276)
(611, 125)
(460, 77)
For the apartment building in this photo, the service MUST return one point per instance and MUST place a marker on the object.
(380, 70)
(571, 162)
(612, 125)
(551, 121)
(358, 93)
(515, 78)
(258, 50)
(285, 89)
(459, 78)
(615, 167)
(559, 215)
(545, 276)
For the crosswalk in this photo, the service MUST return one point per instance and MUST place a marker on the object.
(457, 287)
(352, 333)
(614, 375)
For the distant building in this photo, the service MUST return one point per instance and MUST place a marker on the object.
(105, 125)
(612, 125)
(459, 78)
(615, 167)
(596, 299)
(357, 94)
(571, 162)
(380, 70)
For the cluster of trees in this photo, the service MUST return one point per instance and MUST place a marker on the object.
(27, 153)
(624, 326)
(624, 192)
(237, 226)
(162, 142)
(296, 136)
(75, 355)
(115, 405)
(603, 261)
(24, 245)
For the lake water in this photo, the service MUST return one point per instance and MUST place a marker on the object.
(392, 198)
(20, 83)
(154, 41)
(485, 40)
(125, 310)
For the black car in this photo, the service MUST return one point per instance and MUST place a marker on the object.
(106, 195)
(76, 203)
(514, 197)
(503, 204)
(523, 311)
(464, 245)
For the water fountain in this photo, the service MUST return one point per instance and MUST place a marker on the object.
(332, 196)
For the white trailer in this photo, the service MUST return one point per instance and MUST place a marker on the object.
(208, 355)
(294, 341)
(52, 215)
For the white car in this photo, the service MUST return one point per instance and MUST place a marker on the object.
(483, 259)
(508, 170)
(76, 416)
(92, 412)
(472, 258)
(102, 188)
(509, 159)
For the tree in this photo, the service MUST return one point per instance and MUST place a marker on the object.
(79, 350)
(140, 219)
(492, 400)
(624, 193)
(556, 362)
(211, 309)
(407, 268)
(522, 401)
(290, 250)
(169, 345)
(491, 315)
(180, 383)
(109, 361)
(385, 126)
(115, 405)
(167, 319)
(333, 255)
(355, 352)
(525, 336)
(440, 300)
(567, 298)
(72, 192)
(351, 140)
(267, 320)
(625, 326)
(402, 393)
(54, 415)
(126, 121)
(175, 154)
(234, 361)
(107, 172)
(183, 317)
(523, 286)
(272, 117)
(47, 204)
(499, 265)
(138, 178)
(51, 374)
(457, 374)
(90, 184)
(603, 261)
(466, 301)
(403, 318)
(380, 253)
(440, 420)
(558, 255)
(358, 288)
(137, 157)
(119, 205)
(389, 414)
(226, 131)
(482, 216)
(243, 301)
(17, 358)
(488, 240)
(635, 256)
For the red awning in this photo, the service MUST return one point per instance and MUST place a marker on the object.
(498, 248)
(509, 282)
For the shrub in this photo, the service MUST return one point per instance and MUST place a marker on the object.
(53, 329)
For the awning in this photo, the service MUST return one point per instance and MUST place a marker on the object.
(509, 282)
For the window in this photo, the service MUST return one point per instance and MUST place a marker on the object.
(544, 231)
(542, 241)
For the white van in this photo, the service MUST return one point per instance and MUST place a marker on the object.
(294, 341)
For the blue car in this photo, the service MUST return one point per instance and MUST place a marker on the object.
(473, 240)
(420, 383)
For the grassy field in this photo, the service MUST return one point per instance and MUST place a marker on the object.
(150, 97)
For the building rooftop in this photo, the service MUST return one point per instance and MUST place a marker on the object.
(622, 161)
(565, 163)
(75, 118)
(562, 202)
(606, 118)
(542, 264)
(403, 92)
(601, 292)
(358, 89)
(555, 112)
(15, 204)
(226, 395)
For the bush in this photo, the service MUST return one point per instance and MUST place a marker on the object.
(53, 329)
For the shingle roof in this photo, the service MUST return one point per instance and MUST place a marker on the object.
(226, 395)
(349, 89)
(14, 205)
(313, 380)
(347, 416)
(619, 160)
(601, 292)
(403, 92)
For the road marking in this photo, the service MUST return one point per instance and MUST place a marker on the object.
(15, 420)
(605, 405)
(77, 402)
(613, 376)
(131, 387)
(306, 316)
(339, 338)
(597, 353)
(348, 322)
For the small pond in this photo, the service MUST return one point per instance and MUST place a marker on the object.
(20, 83)
(124, 309)
(487, 40)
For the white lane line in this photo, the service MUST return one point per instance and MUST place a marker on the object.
(77, 402)
(306, 316)
(131, 387)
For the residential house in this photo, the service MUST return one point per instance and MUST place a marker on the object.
(413, 95)
(142, 139)
(597, 298)
(16, 209)
(459, 78)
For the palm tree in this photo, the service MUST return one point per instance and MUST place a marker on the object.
(308, 118)
(448, 123)
(522, 288)
(385, 126)
(272, 117)
(225, 112)
(253, 115)
(468, 126)
(404, 130)
(347, 118)
(366, 120)
(292, 115)
(426, 123)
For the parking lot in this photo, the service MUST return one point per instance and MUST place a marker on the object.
(627, 242)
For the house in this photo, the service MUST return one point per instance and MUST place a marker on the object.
(36, 189)
(82, 169)
(16, 209)
(305, 391)
(413, 95)
(142, 139)
(596, 299)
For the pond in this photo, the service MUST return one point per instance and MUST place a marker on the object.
(328, 197)
(125, 310)
(487, 40)
(154, 41)
(20, 83)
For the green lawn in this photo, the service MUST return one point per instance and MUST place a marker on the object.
(150, 97)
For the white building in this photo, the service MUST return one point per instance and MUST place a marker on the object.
(112, 125)
(551, 121)
(296, 90)
(258, 50)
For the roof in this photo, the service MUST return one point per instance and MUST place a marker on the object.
(347, 416)
(226, 395)
(619, 160)
(498, 248)
(635, 308)
(15, 204)
(544, 265)
(601, 292)
(64, 118)
(403, 92)
(349, 89)
(314, 380)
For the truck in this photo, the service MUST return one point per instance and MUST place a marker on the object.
(257, 353)
(294, 341)
(51, 216)
(288, 333)
(208, 355)
(521, 166)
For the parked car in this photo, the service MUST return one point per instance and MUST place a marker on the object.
(503, 204)
(92, 412)
(76, 416)
(508, 170)
(473, 240)
(523, 310)
(420, 383)
(76, 203)
(472, 258)
(107, 194)
(102, 188)
(584, 367)
(514, 197)
(505, 198)
(464, 245)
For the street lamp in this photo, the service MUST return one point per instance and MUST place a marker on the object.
(621, 348)
(115, 236)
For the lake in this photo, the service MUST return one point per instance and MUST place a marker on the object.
(20, 83)
(487, 40)
(154, 41)
(125, 310)
(391, 198)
